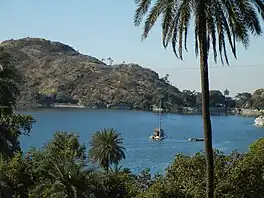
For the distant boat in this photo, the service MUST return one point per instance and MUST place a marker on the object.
(158, 132)
(62, 105)
(157, 109)
(195, 139)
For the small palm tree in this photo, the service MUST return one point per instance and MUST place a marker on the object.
(106, 148)
(217, 23)
(63, 170)
(63, 177)
(66, 179)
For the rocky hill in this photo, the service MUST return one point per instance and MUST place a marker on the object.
(55, 72)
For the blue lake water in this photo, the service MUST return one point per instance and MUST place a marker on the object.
(229, 133)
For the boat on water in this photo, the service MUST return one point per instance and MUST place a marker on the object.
(196, 139)
(259, 121)
(158, 133)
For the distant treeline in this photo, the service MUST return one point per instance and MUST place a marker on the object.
(186, 98)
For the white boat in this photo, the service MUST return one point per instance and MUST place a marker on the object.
(195, 139)
(259, 121)
(158, 132)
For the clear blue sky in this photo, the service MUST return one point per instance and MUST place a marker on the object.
(104, 28)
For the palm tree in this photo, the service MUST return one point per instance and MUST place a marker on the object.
(216, 24)
(63, 170)
(106, 148)
(67, 179)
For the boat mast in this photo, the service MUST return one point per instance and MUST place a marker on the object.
(160, 118)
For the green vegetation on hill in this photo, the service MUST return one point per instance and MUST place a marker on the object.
(55, 72)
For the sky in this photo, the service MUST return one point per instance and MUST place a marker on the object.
(104, 28)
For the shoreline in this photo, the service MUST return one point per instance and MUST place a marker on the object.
(75, 107)
(241, 112)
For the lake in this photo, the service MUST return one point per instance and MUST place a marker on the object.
(229, 133)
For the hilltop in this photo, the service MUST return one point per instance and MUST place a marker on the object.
(57, 72)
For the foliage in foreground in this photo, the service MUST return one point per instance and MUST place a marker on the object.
(62, 169)
(10, 79)
(12, 126)
(106, 148)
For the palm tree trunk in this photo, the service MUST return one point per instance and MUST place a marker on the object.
(205, 105)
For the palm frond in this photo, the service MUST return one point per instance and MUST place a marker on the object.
(170, 19)
(249, 16)
(260, 7)
(142, 9)
(185, 15)
(152, 17)
(227, 22)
